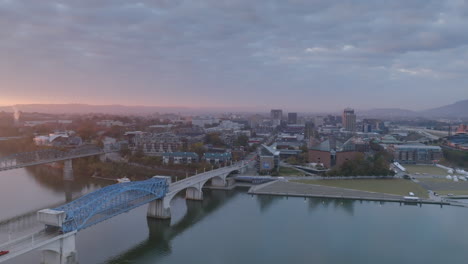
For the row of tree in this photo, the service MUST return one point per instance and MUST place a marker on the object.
(377, 165)
(456, 157)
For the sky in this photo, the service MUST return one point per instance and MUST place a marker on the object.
(304, 55)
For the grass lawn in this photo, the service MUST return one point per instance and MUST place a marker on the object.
(444, 186)
(454, 192)
(429, 169)
(389, 186)
(286, 171)
(434, 180)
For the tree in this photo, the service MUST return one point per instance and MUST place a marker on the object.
(378, 165)
(86, 130)
(292, 160)
(214, 139)
(139, 153)
(125, 152)
(197, 148)
(242, 140)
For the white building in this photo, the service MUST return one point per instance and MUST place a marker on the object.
(43, 122)
(58, 138)
(110, 123)
(202, 121)
(229, 125)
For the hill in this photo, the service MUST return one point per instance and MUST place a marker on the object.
(387, 113)
(458, 109)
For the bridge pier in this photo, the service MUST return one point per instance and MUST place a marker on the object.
(68, 170)
(61, 251)
(218, 182)
(194, 192)
(160, 209)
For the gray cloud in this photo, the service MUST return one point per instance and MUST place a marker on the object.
(300, 54)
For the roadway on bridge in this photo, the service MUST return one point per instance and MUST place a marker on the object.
(20, 160)
(27, 243)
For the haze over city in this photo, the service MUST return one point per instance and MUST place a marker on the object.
(233, 131)
(237, 54)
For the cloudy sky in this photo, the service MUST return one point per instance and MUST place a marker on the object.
(296, 54)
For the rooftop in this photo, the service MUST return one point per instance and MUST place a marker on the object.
(180, 154)
(417, 147)
(213, 155)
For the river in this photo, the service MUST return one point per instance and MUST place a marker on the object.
(235, 227)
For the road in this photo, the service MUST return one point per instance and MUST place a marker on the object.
(27, 243)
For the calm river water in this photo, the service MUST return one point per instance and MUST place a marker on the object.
(234, 227)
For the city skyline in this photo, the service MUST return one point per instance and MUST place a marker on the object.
(301, 55)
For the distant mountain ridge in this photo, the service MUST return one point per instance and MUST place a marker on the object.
(457, 109)
(387, 112)
(86, 109)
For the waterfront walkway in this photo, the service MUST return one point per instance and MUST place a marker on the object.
(285, 188)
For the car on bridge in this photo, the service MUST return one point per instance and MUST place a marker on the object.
(4, 252)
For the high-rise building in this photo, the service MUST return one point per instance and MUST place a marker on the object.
(318, 121)
(349, 119)
(292, 118)
(276, 114)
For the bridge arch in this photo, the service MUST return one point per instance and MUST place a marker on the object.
(193, 187)
(110, 201)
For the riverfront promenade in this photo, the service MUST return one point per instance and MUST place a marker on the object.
(285, 188)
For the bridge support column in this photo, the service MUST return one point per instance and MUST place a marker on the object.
(68, 170)
(62, 251)
(218, 182)
(161, 208)
(194, 193)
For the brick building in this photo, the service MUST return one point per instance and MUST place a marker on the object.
(332, 152)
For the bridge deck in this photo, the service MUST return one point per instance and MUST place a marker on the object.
(30, 242)
(20, 160)
(202, 177)
(48, 161)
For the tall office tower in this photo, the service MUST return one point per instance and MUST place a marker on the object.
(276, 114)
(349, 119)
(292, 118)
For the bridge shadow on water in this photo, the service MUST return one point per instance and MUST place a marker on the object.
(161, 232)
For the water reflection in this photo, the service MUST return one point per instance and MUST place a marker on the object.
(345, 204)
(24, 191)
(52, 178)
(266, 201)
(161, 232)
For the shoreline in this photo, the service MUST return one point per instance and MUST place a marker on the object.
(317, 191)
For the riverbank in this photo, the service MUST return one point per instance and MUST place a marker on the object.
(393, 186)
(284, 188)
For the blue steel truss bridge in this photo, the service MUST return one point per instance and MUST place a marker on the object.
(110, 201)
